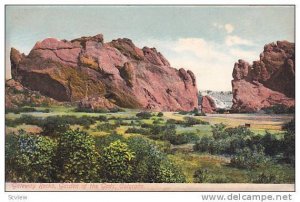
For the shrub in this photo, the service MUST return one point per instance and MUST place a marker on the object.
(25, 109)
(289, 126)
(183, 112)
(218, 130)
(279, 109)
(265, 178)
(104, 141)
(169, 173)
(190, 121)
(270, 143)
(53, 126)
(144, 115)
(288, 147)
(146, 125)
(116, 161)
(205, 176)
(201, 175)
(173, 121)
(106, 127)
(160, 114)
(288, 142)
(162, 132)
(101, 118)
(150, 165)
(141, 131)
(156, 121)
(249, 159)
(29, 158)
(205, 144)
(183, 138)
(77, 159)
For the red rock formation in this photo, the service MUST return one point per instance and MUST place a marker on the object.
(17, 95)
(117, 72)
(208, 105)
(269, 81)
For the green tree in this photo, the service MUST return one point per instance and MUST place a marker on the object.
(150, 165)
(249, 159)
(116, 162)
(29, 158)
(77, 159)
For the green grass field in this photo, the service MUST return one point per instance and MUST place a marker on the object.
(182, 155)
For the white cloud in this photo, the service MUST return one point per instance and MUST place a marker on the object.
(229, 28)
(199, 47)
(217, 25)
(211, 62)
(232, 40)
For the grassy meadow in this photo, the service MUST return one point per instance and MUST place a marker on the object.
(192, 146)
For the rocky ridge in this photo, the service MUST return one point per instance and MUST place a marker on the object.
(267, 82)
(94, 73)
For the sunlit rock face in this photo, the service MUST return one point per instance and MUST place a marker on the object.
(267, 82)
(116, 73)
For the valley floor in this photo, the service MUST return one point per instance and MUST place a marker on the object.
(183, 155)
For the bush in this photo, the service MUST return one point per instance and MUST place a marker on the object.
(225, 140)
(101, 118)
(279, 109)
(77, 158)
(173, 121)
(205, 176)
(200, 175)
(205, 144)
(156, 121)
(288, 142)
(29, 158)
(144, 115)
(106, 127)
(104, 141)
(53, 126)
(141, 131)
(288, 147)
(150, 165)
(160, 114)
(218, 131)
(183, 138)
(190, 121)
(249, 159)
(98, 110)
(25, 109)
(270, 143)
(116, 161)
(162, 132)
(265, 178)
(169, 173)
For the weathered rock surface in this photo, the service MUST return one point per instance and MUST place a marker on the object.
(267, 82)
(208, 105)
(17, 95)
(118, 73)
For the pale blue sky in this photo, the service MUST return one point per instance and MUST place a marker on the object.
(207, 40)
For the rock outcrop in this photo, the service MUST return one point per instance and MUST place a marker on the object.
(117, 73)
(208, 105)
(17, 95)
(267, 82)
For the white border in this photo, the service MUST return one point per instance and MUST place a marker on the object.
(130, 196)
